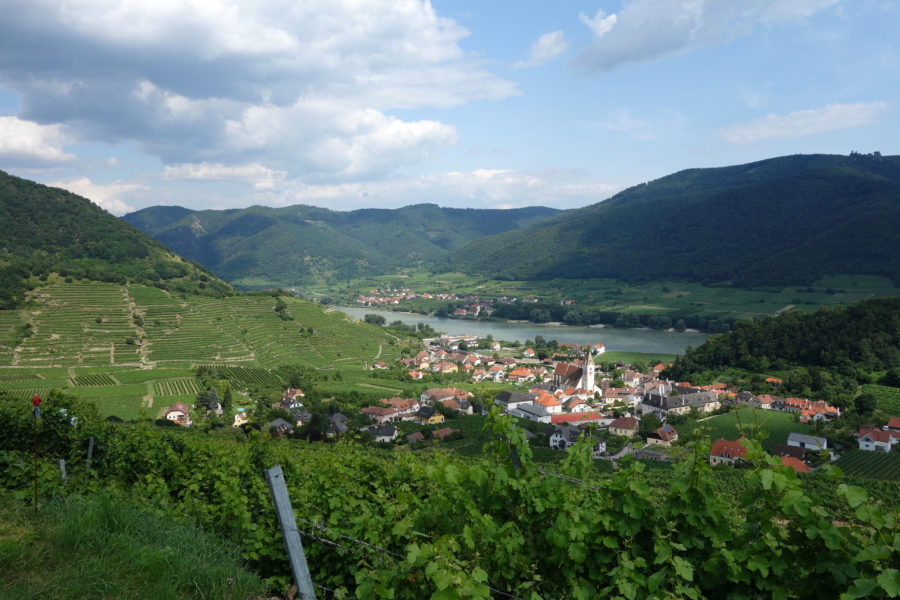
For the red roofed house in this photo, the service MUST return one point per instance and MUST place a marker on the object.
(894, 424)
(795, 463)
(576, 418)
(726, 451)
(663, 436)
(529, 353)
(549, 402)
(624, 426)
(381, 414)
(440, 434)
(179, 413)
(872, 438)
(520, 374)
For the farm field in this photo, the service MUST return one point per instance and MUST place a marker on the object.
(870, 465)
(776, 425)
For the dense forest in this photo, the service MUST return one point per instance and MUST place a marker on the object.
(47, 230)
(825, 354)
(782, 221)
(302, 244)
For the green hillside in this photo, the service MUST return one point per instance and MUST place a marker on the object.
(787, 220)
(47, 230)
(261, 246)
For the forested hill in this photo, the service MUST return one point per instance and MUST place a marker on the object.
(297, 244)
(47, 230)
(854, 340)
(780, 221)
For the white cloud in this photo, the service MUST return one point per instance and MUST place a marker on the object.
(803, 123)
(190, 81)
(25, 141)
(625, 123)
(485, 188)
(109, 197)
(546, 48)
(651, 29)
(600, 24)
(261, 177)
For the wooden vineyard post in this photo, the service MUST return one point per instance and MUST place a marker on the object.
(288, 524)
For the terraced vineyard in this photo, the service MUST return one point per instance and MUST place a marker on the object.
(871, 465)
(888, 398)
(133, 348)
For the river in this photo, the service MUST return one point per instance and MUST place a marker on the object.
(623, 340)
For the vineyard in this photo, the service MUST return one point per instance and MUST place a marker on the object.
(93, 380)
(249, 377)
(870, 464)
(176, 387)
(888, 398)
(401, 525)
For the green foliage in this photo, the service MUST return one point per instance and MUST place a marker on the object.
(412, 525)
(45, 230)
(683, 215)
(259, 246)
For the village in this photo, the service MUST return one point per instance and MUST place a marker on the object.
(560, 399)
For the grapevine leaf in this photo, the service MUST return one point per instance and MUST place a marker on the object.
(889, 579)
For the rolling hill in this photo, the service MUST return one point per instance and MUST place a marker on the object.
(261, 246)
(47, 230)
(782, 221)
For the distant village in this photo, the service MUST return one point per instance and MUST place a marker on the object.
(566, 397)
(473, 306)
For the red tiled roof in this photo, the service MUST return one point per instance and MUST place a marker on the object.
(728, 448)
(624, 423)
(583, 417)
(795, 463)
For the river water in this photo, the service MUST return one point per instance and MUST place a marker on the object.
(624, 340)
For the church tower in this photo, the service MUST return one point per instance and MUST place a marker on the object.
(587, 377)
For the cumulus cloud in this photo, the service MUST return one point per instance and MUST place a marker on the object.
(28, 142)
(600, 24)
(651, 29)
(803, 123)
(261, 177)
(187, 81)
(109, 197)
(546, 48)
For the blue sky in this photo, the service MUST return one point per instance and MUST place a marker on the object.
(383, 103)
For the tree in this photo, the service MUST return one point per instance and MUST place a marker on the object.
(227, 400)
(865, 403)
(212, 399)
(374, 319)
(648, 423)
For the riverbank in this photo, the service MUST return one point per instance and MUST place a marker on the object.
(643, 341)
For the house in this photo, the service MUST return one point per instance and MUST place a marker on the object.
(582, 417)
(792, 451)
(765, 401)
(382, 433)
(380, 365)
(403, 406)
(381, 414)
(338, 425)
(872, 438)
(624, 426)
(509, 401)
(293, 393)
(479, 375)
(663, 436)
(679, 400)
(531, 411)
(416, 375)
(549, 402)
(301, 417)
(726, 451)
(429, 416)
(797, 465)
(444, 367)
(807, 442)
(495, 346)
(577, 405)
(279, 427)
(241, 418)
(564, 436)
(528, 353)
(894, 424)
(440, 434)
(520, 375)
(645, 454)
(463, 406)
(415, 437)
(179, 413)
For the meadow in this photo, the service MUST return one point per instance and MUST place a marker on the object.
(773, 426)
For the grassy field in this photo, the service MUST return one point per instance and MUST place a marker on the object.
(662, 296)
(775, 425)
